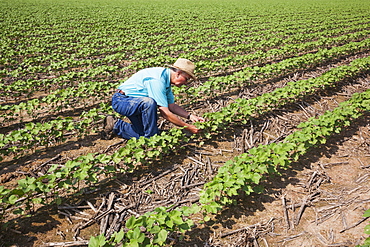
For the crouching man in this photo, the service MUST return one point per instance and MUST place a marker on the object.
(139, 97)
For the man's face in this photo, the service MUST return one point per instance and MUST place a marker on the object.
(180, 78)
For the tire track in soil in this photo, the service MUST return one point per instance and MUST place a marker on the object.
(194, 164)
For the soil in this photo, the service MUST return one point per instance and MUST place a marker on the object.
(319, 201)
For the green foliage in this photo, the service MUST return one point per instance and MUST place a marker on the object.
(245, 171)
(76, 56)
(150, 229)
(366, 230)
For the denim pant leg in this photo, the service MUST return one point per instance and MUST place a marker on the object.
(142, 112)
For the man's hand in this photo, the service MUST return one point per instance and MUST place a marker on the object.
(193, 129)
(169, 114)
(195, 118)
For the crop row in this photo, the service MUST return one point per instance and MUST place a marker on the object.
(261, 40)
(35, 135)
(268, 49)
(245, 172)
(85, 170)
(260, 56)
(57, 48)
(83, 95)
(367, 230)
(43, 42)
(68, 97)
(38, 134)
(29, 86)
(288, 66)
(231, 41)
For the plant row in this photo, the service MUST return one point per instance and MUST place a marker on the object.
(242, 109)
(268, 49)
(68, 97)
(245, 172)
(85, 170)
(366, 230)
(38, 134)
(35, 135)
(288, 66)
(206, 67)
(83, 95)
(91, 42)
(56, 82)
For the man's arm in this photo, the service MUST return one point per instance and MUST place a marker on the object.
(172, 109)
(178, 110)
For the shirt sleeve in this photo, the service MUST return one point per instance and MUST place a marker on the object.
(157, 90)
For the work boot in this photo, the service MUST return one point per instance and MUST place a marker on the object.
(107, 132)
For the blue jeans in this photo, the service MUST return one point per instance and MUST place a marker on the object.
(142, 112)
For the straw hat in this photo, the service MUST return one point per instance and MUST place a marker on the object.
(185, 65)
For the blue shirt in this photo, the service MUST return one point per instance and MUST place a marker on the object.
(151, 82)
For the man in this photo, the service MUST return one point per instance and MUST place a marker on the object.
(139, 97)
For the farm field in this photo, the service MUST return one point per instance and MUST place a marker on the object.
(284, 156)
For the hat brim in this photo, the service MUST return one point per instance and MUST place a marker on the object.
(187, 72)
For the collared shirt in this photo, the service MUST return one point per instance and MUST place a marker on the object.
(151, 82)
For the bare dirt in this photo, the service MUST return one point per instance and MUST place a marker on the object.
(319, 201)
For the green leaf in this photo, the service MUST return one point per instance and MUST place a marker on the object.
(130, 223)
(155, 229)
(193, 209)
(367, 213)
(97, 241)
(37, 200)
(176, 217)
(161, 237)
(367, 229)
(169, 223)
(138, 235)
(13, 199)
(132, 243)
